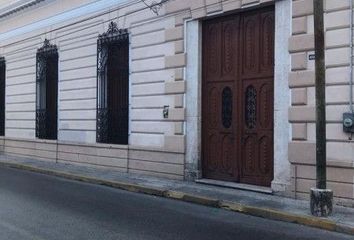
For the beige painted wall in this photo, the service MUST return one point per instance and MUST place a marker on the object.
(302, 113)
(156, 144)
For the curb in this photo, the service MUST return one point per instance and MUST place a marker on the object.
(281, 216)
(267, 213)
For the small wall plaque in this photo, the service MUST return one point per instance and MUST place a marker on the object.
(312, 57)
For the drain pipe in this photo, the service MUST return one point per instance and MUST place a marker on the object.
(351, 59)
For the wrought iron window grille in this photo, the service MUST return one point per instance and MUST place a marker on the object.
(112, 85)
(2, 61)
(2, 95)
(46, 91)
(251, 107)
(226, 107)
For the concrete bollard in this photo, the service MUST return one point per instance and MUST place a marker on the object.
(321, 202)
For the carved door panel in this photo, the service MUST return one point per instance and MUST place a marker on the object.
(237, 97)
(257, 133)
(220, 56)
(257, 77)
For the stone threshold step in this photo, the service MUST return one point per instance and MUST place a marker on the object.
(234, 185)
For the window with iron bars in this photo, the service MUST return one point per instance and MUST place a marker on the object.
(47, 91)
(2, 95)
(113, 86)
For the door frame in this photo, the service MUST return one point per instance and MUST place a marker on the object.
(193, 76)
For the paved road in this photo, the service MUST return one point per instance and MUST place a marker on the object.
(35, 206)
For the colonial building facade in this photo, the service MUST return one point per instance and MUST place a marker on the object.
(219, 91)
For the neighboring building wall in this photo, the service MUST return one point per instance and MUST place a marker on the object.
(340, 150)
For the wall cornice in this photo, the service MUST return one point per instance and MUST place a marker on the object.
(17, 7)
(87, 9)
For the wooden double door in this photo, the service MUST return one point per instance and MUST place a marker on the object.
(237, 97)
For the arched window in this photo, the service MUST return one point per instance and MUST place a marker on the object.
(47, 91)
(113, 86)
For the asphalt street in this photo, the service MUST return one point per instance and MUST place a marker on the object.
(36, 206)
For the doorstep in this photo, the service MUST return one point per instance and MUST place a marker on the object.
(234, 185)
(247, 202)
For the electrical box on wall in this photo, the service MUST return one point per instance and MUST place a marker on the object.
(348, 122)
(165, 111)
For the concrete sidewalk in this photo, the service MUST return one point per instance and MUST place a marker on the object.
(252, 203)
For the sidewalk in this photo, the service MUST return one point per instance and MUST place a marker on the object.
(252, 203)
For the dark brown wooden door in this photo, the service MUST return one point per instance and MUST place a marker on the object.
(237, 97)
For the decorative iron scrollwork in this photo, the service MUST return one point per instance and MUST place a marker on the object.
(251, 107)
(46, 91)
(227, 107)
(112, 72)
(44, 53)
(112, 34)
(2, 61)
(102, 125)
(112, 125)
(47, 48)
(2, 95)
(41, 123)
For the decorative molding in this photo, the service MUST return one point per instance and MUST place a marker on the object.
(62, 17)
(17, 7)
